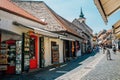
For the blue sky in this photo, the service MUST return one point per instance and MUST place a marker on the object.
(70, 9)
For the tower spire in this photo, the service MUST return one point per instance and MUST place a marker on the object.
(81, 14)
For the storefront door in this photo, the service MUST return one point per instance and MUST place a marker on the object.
(54, 53)
(33, 51)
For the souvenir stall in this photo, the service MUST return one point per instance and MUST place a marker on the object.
(8, 52)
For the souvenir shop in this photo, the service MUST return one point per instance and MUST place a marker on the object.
(18, 53)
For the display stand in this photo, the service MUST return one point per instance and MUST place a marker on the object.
(25, 52)
(55, 55)
(3, 58)
(18, 57)
(11, 53)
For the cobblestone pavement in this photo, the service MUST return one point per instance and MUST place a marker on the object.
(89, 67)
(106, 69)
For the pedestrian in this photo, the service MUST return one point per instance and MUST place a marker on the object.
(108, 54)
(114, 49)
(104, 48)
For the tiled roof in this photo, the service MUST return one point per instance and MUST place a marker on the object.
(102, 36)
(59, 21)
(8, 6)
(109, 31)
(66, 24)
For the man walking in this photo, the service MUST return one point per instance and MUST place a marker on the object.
(108, 55)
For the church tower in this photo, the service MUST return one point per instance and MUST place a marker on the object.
(81, 17)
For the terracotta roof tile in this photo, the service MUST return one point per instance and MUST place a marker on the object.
(66, 24)
(8, 6)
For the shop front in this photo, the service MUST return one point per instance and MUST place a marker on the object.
(53, 54)
(67, 50)
(18, 53)
(8, 51)
(30, 51)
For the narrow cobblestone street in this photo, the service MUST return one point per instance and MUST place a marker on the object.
(88, 67)
(59, 40)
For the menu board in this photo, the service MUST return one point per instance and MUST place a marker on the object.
(55, 54)
(3, 56)
(26, 51)
(18, 57)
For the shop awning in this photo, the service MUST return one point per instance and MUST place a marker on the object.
(107, 7)
(65, 38)
(45, 33)
(38, 30)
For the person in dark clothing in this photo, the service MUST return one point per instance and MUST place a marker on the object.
(108, 54)
(114, 49)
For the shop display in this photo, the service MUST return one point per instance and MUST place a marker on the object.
(11, 54)
(18, 57)
(26, 51)
(32, 48)
(3, 56)
(55, 54)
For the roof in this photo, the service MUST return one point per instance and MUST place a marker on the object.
(117, 24)
(66, 24)
(107, 7)
(61, 21)
(8, 6)
(109, 31)
(87, 30)
(102, 36)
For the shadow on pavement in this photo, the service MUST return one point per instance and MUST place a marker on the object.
(46, 74)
